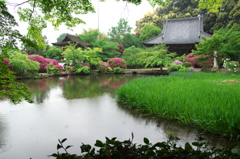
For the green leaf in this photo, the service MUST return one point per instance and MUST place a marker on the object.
(59, 146)
(188, 147)
(99, 143)
(236, 151)
(146, 141)
(63, 140)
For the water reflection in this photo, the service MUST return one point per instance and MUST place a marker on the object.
(74, 87)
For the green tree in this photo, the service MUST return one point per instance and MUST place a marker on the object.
(131, 40)
(78, 56)
(227, 14)
(117, 33)
(130, 55)
(53, 53)
(224, 43)
(149, 31)
(109, 48)
(14, 91)
(157, 56)
(91, 35)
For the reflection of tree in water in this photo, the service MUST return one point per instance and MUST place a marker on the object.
(93, 85)
(81, 87)
(40, 88)
(173, 126)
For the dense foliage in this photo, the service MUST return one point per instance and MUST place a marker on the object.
(20, 63)
(112, 148)
(116, 33)
(223, 44)
(208, 100)
(149, 32)
(227, 15)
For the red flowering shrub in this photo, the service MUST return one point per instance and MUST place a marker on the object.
(6, 61)
(196, 62)
(117, 62)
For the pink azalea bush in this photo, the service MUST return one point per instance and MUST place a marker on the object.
(6, 61)
(117, 62)
(45, 62)
(103, 67)
(194, 60)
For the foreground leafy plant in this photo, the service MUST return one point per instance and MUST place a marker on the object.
(126, 149)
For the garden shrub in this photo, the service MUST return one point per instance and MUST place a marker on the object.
(199, 60)
(103, 67)
(117, 62)
(21, 64)
(118, 70)
(231, 65)
(45, 62)
(177, 65)
(83, 70)
(54, 69)
(187, 64)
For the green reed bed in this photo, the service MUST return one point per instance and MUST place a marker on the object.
(209, 100)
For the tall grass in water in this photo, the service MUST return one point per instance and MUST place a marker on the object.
(209, 100)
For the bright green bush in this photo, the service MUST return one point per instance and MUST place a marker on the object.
(20, 63)
(187, 64)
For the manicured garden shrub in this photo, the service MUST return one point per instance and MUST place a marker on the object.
(103, 67)
(177, 66)
(117, 62)
(53, 64)
(187, 64)
(199, 60)
(43, 62)
(22, 64)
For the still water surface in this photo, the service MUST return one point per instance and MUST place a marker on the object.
(81, 109)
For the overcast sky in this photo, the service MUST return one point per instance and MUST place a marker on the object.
(107, 16)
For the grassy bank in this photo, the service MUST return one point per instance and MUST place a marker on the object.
(209, 100)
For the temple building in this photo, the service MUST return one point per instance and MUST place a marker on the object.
(180, 35)
(72, 39)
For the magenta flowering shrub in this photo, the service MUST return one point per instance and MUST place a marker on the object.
(194, 60)
(6, 61)
(45, 62)
(117, 62)
(54, 62)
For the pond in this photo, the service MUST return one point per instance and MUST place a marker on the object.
(82, 109)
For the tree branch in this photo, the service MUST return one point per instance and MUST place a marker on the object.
(22, 3)
(34, 4)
